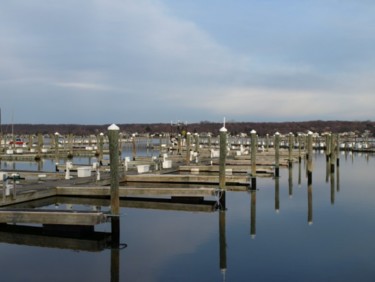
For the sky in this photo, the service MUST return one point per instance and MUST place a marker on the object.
(151, 61)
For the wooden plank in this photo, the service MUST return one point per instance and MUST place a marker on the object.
(51, 217)
(135, 191)
(190, 178)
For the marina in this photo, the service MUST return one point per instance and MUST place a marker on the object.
(165, 193)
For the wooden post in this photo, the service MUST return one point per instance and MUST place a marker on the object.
(188, 135)
(337, 150)
(57, 146)
(113, 134)
(310, 156)
(179, 144)
(196, 140)
(332, 154)
(254, 147)
(223, 153)
(290, 141)
(277, 153)
(267, 142)
(134, 148)
(299, 147)
(30, 145)
(101, 145)
(209, 141)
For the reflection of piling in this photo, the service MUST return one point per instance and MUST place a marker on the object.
(253, 159)
(277, 153)
(309, 204)
(113, 135)
(115, 249)
(223, 153)
(223, 241)
(299, 173)
(338, 179)
(277, 195)
(253, 213)
(290, 181)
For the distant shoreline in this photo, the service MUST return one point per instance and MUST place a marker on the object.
(234, 128)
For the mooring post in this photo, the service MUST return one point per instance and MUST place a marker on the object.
(277, 153)
(309, 160)
(254, 147)
(267, 142)
(134, 147)
(290, 141)
(101, 145)
(209, 141)
(56, 146)
(338, 150)
(30, 145)
(332, 154)
(299, 148)
(113, 135)
(188, 135)
(223, 154)
(196, 140)
(179, 144)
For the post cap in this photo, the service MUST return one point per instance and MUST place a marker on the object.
(253, 131)
(113, 127)
(277, 133)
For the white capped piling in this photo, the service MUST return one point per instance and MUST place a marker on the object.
(267, 142)
(328, 147)
(309, 160)
(337, 150)
(254, 147)
(299, 147)
(56, 138)
(101, 146)
(113, 135)
(332, 154)
(290, 151)
(223, 153)
(134, 147)
(277, 153)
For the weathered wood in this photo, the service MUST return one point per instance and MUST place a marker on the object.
(162, 178)
(51, 217)
(135, 191)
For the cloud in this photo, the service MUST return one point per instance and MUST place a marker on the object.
(160, 64)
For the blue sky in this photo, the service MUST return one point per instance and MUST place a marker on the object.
(141, 61)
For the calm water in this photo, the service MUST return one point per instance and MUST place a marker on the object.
(298, 233)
